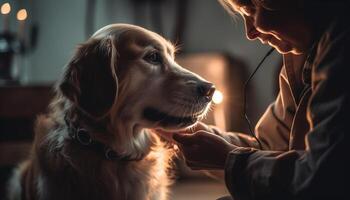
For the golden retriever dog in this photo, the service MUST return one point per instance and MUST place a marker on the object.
(96, 142)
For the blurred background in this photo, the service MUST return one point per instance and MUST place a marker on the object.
(38, 37)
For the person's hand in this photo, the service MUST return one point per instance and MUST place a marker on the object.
(200, 126)
(168, 135)
(203, 150)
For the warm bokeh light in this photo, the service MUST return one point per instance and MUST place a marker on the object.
(5, 8)
(22, 14)
(218, 97)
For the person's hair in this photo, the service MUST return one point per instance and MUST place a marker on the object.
(319, 13)
(228, 6)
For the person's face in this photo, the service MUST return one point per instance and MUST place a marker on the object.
(277, 23)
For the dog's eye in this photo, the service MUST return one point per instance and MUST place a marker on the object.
(153, 58)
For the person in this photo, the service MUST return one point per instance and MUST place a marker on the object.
(303, 134)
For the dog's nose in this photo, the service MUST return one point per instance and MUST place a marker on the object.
(206, 90)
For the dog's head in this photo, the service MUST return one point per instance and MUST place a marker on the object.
(129, 74)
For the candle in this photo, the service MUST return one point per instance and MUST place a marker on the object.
(5, 11)
(21, 17)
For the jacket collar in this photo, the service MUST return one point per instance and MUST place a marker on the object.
(294, 65)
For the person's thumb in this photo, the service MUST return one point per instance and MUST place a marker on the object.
(185, 139)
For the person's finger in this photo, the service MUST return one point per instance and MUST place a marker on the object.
(193, 165)
(195, 138)
(164, 134)
(184, 139)
(200, 126)
(209, 138)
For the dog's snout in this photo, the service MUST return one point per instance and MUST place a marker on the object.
(206, 90)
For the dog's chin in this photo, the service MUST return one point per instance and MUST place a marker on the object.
(168, 122)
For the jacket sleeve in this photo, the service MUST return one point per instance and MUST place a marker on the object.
(320, 170)
(274, 126)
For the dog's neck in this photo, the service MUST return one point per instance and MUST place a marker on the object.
(122, 138)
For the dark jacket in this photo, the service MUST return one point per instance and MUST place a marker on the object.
(304, 132)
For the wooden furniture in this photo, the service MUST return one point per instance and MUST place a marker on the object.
(19, 106)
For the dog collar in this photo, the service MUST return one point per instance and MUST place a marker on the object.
(82, 137)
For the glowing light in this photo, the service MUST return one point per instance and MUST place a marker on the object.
(218, 97)
(22, 15)
(5, 8)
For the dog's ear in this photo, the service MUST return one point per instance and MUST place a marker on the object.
(90, 79)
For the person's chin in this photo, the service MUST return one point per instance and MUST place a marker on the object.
(284, 49)
(289, 51)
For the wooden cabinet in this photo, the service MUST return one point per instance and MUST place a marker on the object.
(19, 106)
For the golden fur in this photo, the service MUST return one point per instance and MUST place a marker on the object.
(115, 88)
